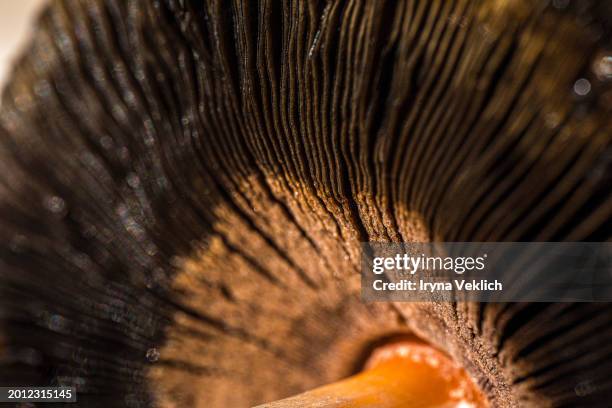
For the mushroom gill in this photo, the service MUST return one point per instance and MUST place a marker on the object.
(184, 186)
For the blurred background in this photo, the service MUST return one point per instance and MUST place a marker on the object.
(16, 20)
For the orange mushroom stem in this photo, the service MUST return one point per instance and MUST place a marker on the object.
(405, 374)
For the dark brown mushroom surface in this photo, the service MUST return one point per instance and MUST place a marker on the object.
(184, 186)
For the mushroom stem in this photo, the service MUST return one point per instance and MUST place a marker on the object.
(408, 374)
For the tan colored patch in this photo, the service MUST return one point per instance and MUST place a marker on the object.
(265, 313)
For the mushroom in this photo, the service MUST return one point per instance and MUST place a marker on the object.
(185, 185)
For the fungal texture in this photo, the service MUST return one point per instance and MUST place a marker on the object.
(184, 186)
